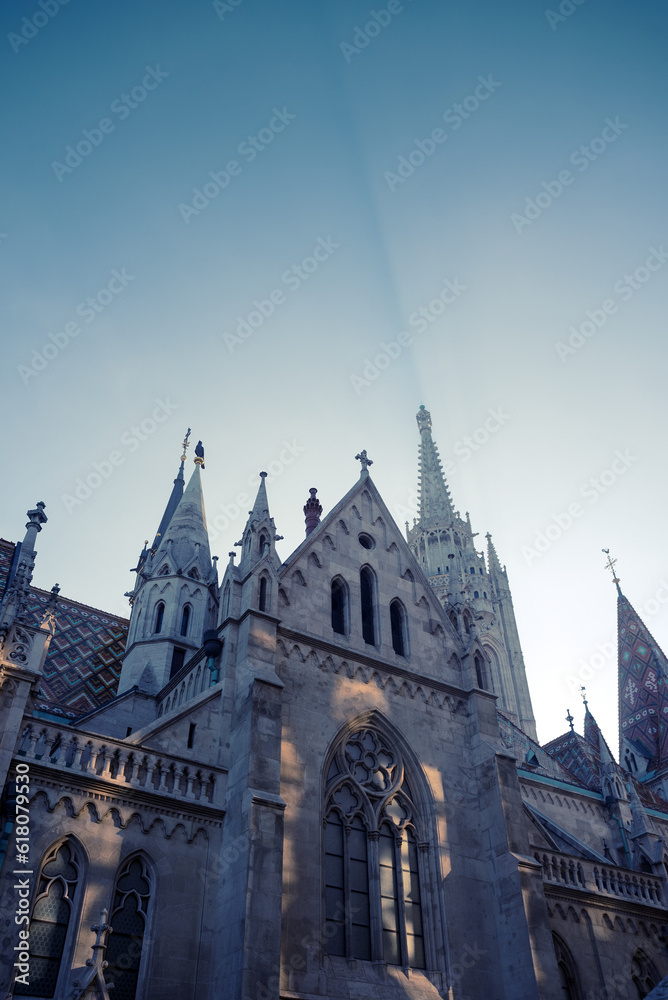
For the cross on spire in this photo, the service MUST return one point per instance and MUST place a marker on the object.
(611, 566)
(569, 719)
(365, 460)
(186, 445)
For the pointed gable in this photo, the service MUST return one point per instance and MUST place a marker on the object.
(643, 686)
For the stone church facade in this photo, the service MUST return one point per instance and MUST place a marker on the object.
(319, 777)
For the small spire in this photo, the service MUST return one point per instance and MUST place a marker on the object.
(435, 499)
(569, 719)
(261, 506)
(366, 462)
(493, 564)
(313, 510)
(611, 566)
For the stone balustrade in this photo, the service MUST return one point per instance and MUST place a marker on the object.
(562, 869)
(102, 758)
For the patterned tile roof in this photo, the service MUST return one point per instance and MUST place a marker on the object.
(82, 668)
(643, 686)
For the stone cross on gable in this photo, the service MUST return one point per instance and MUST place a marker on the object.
(365, 460)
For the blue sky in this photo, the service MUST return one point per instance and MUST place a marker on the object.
(532, 258)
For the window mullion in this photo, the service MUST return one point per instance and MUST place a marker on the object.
(403, 943)
(347, 895)
(374, 898)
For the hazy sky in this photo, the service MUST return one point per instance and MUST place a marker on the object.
(173, 170)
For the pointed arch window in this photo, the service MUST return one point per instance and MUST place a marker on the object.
(368, 599)
(263, 543)
(339, 606)
(52, 916)
(398, 627)
(568, 974)
(128, 919)
(373, 900)
(185, 619)
(262, 600)
(480, 672)
(159, 617)
(452, 615)
(645, 976)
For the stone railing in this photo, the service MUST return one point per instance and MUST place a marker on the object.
(561, 869)
(122, 765)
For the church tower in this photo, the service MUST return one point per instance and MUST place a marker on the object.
(476, 595)
(176, 591)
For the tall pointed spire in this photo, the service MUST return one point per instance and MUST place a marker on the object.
(493, 564)
(261, 506)
(186, 538)
(177, 493)
(643, 687)
(435, 499)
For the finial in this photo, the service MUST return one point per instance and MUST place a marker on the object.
(199, 454)
(611, 566)
(186, 445)
(312, 510)
(37, 517)
(583, 690)
(569, 719)
(365, 460)
(423, 418)
(232, 556)
(263, 475)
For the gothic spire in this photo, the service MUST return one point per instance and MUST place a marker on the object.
(435, 499)
(261, 506)
(493, 564)
(173, 502)
(186, 538)
(643, 686)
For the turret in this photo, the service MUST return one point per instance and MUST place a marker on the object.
(175, 599)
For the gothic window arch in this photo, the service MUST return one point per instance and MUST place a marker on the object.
(466, 617)
(644, 975)
(226, 600)
(263, 543)
(567, 969)
(340, 606)
(159, 617)
(399, 627)
(368, 602)
(185, 619)
(452, 615)
(128, 917)
(54, 919)
(480, 672)
(374, 854)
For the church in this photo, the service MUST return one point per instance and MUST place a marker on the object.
(318, 778)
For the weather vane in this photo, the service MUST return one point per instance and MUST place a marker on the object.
(611, 566)
(583, 689)
(186, 445)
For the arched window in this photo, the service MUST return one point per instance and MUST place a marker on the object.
(568, 974)
(51, 917)
(398, 627)
(262, 601)
(159, 617)
(339, 604)
(263, 543)
(226, 600)
(128, 918)
(467, 622)
(480, 672)
(185, 619)
(645, 977)
(368, 598)
(373, 901)
(452, 615)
